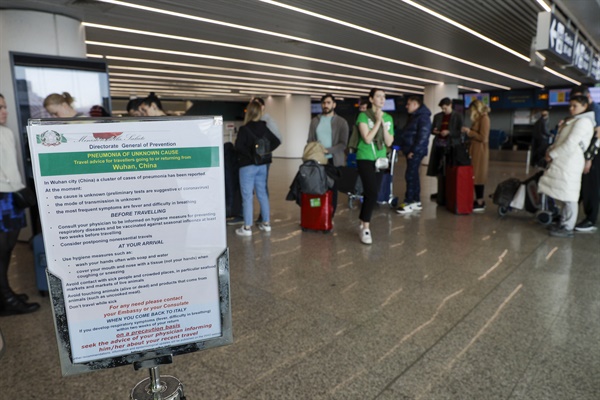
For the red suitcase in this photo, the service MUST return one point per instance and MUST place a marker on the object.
(316, 212)
(459, 189)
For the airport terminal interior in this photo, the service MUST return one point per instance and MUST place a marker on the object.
(440, 306)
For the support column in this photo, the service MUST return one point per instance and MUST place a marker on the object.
(26, 31)
(292, 114)
(433, 95)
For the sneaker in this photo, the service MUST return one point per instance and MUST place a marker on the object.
(243, 231)
(406, 208)
(365, 236)
(561, 233)
(264, 226)
(417, 206)
(585, 226)
(235, 221)
(478, 208)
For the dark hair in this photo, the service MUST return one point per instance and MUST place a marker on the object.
(325, 96)
(445, 102)
(583, 100)
(152, 98)
(372, 93)
(98, 111)
(259, 100)
(1, 95)
(418, 99)
(134, 104)
(579, 90)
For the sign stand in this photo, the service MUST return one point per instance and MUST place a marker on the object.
(157, 387)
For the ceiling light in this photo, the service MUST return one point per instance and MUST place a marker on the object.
(277, 84)
(480, 36)
(470, 89)
(545, 6)
(573, 81)
(270, 33)
(378, 82)
(206, 56)
(401, 41)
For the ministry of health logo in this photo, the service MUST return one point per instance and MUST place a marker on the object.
(51, 138)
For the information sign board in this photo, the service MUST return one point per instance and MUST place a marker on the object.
(133, 219)
(554, 38)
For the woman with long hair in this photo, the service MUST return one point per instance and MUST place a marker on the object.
(376, 130)
(479, 133)
(253, 167)
(60, 105)
(12, 219)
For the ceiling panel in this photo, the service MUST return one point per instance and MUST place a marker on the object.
(345, 54)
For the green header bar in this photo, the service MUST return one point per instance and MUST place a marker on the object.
(96, 162)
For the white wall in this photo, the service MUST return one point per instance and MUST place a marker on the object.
(292, 115)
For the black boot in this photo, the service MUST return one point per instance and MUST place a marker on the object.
(12, 305)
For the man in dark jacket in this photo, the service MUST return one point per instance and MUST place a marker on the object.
(540, 140)
(446, 129)
(414, 141)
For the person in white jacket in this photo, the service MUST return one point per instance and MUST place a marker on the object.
(562, 179)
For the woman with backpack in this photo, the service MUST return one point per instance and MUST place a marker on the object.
(376, 134)
(254, 145)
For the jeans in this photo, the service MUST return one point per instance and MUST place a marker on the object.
(413, 185)
(254, 178)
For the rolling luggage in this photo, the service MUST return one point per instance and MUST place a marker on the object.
(39, 257)
(316, 212)
(459, 189)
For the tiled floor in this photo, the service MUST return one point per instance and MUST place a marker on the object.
(439, 307)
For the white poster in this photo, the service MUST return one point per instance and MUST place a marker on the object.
(133, 217)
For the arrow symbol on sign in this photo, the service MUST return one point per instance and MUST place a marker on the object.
(553, 33)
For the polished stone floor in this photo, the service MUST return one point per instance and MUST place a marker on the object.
(439, 307)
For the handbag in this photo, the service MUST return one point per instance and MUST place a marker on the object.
(381, 163)
(24, 198)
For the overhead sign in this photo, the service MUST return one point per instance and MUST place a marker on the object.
(133, 222)
(595, 67)
(554, 38)
(582, 57)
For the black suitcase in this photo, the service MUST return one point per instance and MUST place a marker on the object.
(505, 192)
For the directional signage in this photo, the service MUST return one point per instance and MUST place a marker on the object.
(554, 38)
(582, 56)
(595, 68)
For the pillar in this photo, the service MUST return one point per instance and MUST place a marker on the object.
(292, 114)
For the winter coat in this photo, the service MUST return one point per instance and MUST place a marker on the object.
(480, 148)
(562, 179)
(414, 138)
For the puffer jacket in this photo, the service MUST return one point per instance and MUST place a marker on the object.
(414, 138)
(562, 179)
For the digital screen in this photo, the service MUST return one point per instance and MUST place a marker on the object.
(390, 105)
(315, 108)
(558, 97)
(483, 97)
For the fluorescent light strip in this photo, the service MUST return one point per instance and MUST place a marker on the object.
(401, 41)
(235, 85)
(288, 55)
(175, 92)
(482, 37)
(573, 81)
(270, 33)
(545, 6)
(469, 88)
(165, 86)
(195, 55)
(464, 28)
(271, 74)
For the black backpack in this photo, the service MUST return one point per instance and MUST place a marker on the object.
(313, 179)
(261, 150)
